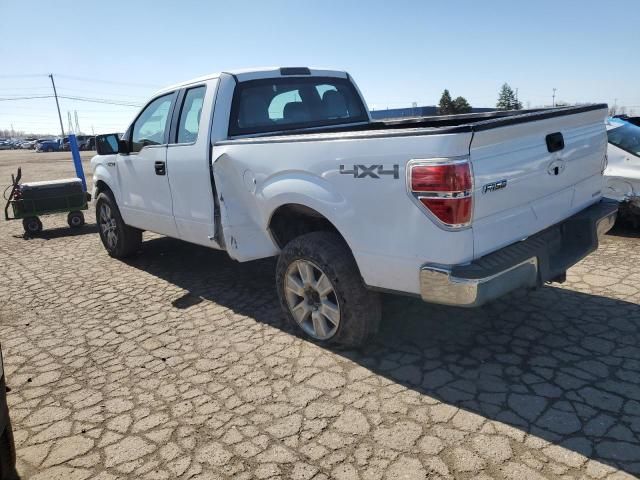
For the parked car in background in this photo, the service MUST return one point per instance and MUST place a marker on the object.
(622, 175)
(7, 445)
(627, 118)
(6, 145)
(91, 143)
(28, 144)
(47, 146)
(82, 140)
(457, 210)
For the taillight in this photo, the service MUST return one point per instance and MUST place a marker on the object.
(444, 188)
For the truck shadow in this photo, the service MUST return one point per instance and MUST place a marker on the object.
(60, 232)
(558, 364)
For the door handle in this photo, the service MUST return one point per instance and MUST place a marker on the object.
(161, 168)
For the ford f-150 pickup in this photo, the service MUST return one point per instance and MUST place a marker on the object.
(457, 210)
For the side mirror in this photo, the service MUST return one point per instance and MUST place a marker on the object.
(123, 147)
(107, 144)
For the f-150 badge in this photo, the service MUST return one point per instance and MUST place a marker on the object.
(373, 171)
(493, 186)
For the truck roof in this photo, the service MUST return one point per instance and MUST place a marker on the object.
(245, 74)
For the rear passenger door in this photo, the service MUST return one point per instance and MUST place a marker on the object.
(188, 164)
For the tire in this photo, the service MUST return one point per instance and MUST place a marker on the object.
(325, 254)
(32, 225)
(8, 455)
(75, 219)
(119, 239)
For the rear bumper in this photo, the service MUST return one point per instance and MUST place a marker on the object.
(529, 263)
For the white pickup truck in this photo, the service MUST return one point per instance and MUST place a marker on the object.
(457, 210)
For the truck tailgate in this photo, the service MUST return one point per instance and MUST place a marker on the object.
(533, 171)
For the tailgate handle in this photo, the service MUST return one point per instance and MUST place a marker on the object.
(555, 142)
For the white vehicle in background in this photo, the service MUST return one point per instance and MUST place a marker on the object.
(286, 162)
(622, 175)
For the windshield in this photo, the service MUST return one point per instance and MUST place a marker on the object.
(626, 137)
(275, 104)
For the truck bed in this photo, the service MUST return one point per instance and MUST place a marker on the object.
(436, 125)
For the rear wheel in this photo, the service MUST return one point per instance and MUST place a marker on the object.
(32, 225)
(322, 293)
(119, 239)
(75, 219)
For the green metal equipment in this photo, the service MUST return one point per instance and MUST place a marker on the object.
(29, 201)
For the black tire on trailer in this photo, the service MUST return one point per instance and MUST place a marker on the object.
(119, 239)
(75, 219)
(322, 293)
(32, 225)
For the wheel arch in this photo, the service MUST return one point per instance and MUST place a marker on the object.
(291, 220)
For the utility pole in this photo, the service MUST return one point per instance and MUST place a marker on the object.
(55, 94)
(516, 98)
(554, 97)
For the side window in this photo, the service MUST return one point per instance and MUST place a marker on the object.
(190, 115)
(151, 126)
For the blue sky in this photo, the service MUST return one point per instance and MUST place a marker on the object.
(399, 52)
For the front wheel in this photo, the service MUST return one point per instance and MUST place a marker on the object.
(322, 293)
(119, 239)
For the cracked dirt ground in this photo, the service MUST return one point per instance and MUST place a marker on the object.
(177, 364)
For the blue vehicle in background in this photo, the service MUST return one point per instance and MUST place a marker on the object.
(47, 146)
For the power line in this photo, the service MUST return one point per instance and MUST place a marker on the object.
(7, 99)
(110, 82)
(101, 100)
(122, 103)
(27, 75)
(73, 91)
(24, 88)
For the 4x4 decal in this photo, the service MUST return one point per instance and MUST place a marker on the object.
(373, 171)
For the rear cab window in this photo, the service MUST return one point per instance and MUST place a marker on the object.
(289, 103)
(189, 121)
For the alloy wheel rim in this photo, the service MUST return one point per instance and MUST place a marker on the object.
(312, 299)
(108, 226)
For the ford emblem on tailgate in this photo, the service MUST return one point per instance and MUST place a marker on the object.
(493, 186)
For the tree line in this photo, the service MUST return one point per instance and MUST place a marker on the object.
(507, 100)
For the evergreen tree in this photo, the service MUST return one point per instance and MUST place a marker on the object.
(446, 106)
(460, 105)
(507, 99)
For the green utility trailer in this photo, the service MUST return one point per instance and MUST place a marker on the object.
(29, 201)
